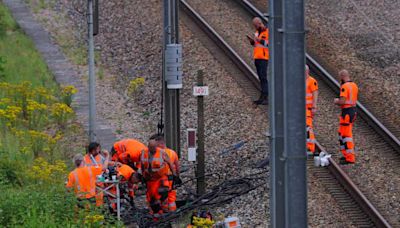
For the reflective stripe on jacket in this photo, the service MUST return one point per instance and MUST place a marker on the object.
(94, 161)
(311, 86)
(260, 50)
(83, 180)
(154, 167)
(349, 91)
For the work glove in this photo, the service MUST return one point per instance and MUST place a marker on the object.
(177, 182)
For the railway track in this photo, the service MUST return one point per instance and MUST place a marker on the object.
(335, 179)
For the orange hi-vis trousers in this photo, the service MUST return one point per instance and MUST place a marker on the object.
(154, 197)
(171, 197)
(346, 140)
(310, 132)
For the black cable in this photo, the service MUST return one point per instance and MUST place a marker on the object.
(220, 194)
(160, 126)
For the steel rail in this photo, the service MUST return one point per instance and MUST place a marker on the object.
(355, 192)
(334, 168)
(371, 120)
(221, 43)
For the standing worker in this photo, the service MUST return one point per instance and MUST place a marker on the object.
(83, 180)
(155, 168)
(173, 180)
(261, 56)
(96, 157)
(311, 108)
(128, 152)
(347, 101)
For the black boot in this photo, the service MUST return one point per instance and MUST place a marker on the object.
(263, 100)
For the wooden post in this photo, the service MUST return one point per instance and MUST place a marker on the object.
(201, 185)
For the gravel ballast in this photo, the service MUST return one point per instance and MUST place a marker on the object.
(130, 45)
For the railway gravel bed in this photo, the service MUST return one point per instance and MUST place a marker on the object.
(376, 171)
(320, 213)
(128, 55)
(129, 51)
(364, 37)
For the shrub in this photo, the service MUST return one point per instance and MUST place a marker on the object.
(61, 113)
(134, 85)
(66, 94)
(2, 63)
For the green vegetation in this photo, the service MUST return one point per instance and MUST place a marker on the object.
(38, 5)
(35, 123)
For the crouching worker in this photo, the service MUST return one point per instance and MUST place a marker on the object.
(128, 179)
(83, 181)
(128, 152)
(155, 168)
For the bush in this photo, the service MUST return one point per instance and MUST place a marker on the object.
(2, 63)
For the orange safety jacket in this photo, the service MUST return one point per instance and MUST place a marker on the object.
(154, 167)
(311, 86)
(130, 146)
(94, 161)
(349, 91)
(126, 172)
(260, 50)
(83, 180)
(173, 156)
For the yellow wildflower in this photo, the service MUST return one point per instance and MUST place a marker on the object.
(68, 90)
(135, 84)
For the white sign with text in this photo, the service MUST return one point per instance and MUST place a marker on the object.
(200, 91)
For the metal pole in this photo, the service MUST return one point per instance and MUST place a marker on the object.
(171, 96)
(294, 115)
(276, 115)
(201, 186)
(96, 17)
(92, 79)
(118, 196)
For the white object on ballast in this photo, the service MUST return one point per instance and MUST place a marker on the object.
(232, 222)
(322, 159)
(325, 160)
(317, 161)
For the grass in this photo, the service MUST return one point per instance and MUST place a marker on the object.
(32, 182)
(38, 5)
(22, 61)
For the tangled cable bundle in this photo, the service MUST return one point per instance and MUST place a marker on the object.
(220, 194)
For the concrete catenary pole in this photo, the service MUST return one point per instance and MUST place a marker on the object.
(277, 178)
(171, 96)
(92, 79)
(294, 114)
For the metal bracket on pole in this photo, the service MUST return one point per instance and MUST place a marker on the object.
(171, 93)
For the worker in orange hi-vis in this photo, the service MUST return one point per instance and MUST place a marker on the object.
(155, 169)
(173, 180)
(311, 108)
(128, 178)
(128, 152)
(128, 175)
(83, 180)
(347, 102)
(97, 158)
(260, 42)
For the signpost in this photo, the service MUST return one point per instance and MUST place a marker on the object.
(200, 91)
